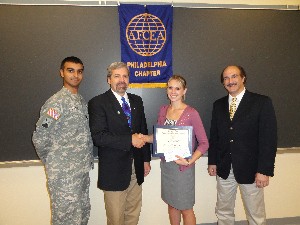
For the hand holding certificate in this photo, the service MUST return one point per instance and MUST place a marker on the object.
(170, 141)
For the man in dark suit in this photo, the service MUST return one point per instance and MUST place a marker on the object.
(124, 158)
(243, 143)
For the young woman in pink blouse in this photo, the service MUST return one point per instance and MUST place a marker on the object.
(178, 177)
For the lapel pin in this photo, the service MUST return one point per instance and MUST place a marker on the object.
(118, 112)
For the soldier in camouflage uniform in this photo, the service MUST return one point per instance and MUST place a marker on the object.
(63, 142)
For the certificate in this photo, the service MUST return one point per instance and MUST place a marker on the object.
(169, 141)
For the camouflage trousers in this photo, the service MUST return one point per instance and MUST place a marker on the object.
(70, 202)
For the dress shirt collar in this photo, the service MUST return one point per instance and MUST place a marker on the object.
(119, 97)
(239, 97)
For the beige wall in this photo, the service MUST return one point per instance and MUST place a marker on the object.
(24, 199)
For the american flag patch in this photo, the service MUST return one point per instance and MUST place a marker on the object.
(52, 113)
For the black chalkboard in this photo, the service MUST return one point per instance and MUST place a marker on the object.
(34, 40)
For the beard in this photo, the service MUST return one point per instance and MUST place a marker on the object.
(121, 87)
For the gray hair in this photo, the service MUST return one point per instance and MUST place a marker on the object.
(114, 66)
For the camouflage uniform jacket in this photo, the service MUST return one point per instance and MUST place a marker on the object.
(62, 138)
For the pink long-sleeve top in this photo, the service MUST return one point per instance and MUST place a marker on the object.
(189, 117)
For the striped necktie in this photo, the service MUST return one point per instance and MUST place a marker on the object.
(126, 110)
(232, 107)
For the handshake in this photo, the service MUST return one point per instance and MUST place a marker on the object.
(139, 140)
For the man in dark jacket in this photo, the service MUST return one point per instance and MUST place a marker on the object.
(243, 143)
(116, 120)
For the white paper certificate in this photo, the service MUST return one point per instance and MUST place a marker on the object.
(173, 140)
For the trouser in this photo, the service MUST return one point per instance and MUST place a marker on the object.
(70, 202)
(124, 207)
(253, 200)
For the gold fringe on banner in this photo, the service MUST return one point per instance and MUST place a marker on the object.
(148, 85)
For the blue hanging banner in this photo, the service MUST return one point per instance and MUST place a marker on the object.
(146, 43)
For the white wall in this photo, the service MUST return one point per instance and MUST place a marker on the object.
(24, 199)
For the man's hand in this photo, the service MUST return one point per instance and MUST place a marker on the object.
(147, 168)
(137, 140)
(261, 180)
(212, 170)
(147, 138)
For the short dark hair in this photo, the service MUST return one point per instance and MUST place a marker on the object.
(72, 59)
(242, 73)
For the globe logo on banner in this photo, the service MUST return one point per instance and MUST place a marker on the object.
(146, 34)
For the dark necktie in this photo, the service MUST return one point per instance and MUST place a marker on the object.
(126, 110)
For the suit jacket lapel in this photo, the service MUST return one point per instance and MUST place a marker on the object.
(225, 108)
(243, 106)
(133, 108)
(116, 106)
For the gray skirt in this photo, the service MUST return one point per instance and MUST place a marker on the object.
(177, 187)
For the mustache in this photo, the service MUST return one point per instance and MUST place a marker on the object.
(231, 84)
(121, 83)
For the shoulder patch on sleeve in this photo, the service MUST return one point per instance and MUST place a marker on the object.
(53, 113)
